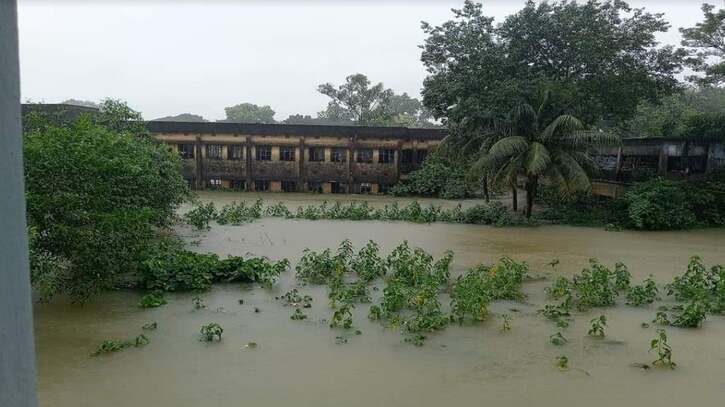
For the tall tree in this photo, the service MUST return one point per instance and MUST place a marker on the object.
(249, 113)
(357, 101)
(706, 44)
(601, 54)
(538, 143)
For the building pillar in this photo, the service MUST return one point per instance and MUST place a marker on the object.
(248, 164)
(662, 163)
(17, 350)
(301, 166)
(198, 161)
(351, 146)
(618, 164)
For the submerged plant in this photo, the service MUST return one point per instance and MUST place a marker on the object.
(691, 315)
(211, 331)
(558, 339)
(111, 346)
(201, 215)
(152, 300)
(505, 322)
(646, 293)
(562, 362)
(298, 315)
(663, 349)
(198, 303)
(342, 316)
(151, 326)
(597, 326)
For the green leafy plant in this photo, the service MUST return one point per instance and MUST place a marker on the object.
(691, 315)
(151, 326)
(110, 346)
(210, 331)
(663, 349)
(298, 315)
(562, 362)
(342, 316)
(152, 300)
(200, 216)
(198, 303)
(646, 293)
(597, 326)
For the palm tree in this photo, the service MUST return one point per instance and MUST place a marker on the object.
(540, 146)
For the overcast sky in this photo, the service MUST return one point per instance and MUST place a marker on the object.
(167, 58)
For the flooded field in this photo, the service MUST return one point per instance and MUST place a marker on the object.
(299, 362)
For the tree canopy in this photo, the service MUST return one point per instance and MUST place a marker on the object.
(601, 58)
(706, 45)
(249, 113)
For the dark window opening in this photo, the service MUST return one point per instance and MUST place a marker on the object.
(317, 154)
(365, 188)
(261, 186)
(239, 185)
(186, 151)
(384, 188)
(422, 154)
(406, 156)
(338, 155)
(338, 188)
(263, 153)
(234, 152)
(365, 156)
(386, 156)
(289, 186)
(314, 187)
(213, 152)
(286, 153)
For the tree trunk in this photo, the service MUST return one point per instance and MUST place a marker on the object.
(514, 198)
(486, 195)
(531, 185)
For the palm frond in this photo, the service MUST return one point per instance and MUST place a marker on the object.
(577, 179)
(537, 159)
(589, 138)
(561, 127)
(507, 147)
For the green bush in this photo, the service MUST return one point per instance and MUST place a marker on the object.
(96, 198)
(170, 268)
(436, 177)
(660, 204)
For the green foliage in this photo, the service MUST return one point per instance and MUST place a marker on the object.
(295, 299)
(475, 66)
(152, 300)
(701, 286)
(646, 293)
(170, 268)
(691, 315)
(660, 204)
(473, 291)
(151, 326)
(298, 315)
(210, 331)
(705, 44)
(438, 177)
(663, 349)
(598, 286)
(493, 213)
(198, 303)
(597, 326)
(558, 339)
(201, 215)
(562, 362)
(96, 198)
(342, 317)
(249, 113)
(111, 346)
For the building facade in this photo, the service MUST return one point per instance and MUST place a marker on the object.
(292, 158)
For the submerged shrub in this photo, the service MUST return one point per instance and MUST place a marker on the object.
(210, 331)
(480, 285)
(200, 215)
(646, 293)
(152, 300)
(171, 268)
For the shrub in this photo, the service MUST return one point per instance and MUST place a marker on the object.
(152, 300)
(91, 190)
(436, 177)
(211, 331)
(660, 204)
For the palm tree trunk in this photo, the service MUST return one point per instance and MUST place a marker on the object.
(514, 198)
(486, 195)
(531, 186)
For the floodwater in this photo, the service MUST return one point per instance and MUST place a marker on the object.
(299, 362)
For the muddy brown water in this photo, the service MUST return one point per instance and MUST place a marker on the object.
(299, 363)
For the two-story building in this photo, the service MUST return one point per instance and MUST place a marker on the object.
(280, 157)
